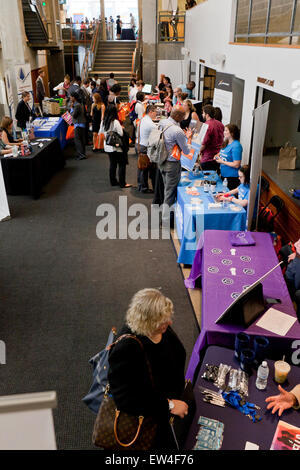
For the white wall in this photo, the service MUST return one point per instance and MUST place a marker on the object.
(209, 29)
(173, 69)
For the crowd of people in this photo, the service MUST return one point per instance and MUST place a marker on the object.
(85, 28)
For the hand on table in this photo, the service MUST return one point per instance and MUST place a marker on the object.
(181, 409)
(284, 401)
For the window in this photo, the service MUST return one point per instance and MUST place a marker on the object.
(268, 22)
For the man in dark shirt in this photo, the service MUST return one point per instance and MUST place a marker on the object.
(213, 139)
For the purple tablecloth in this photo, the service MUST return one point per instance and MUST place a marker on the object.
(238, 429)
(219, 287)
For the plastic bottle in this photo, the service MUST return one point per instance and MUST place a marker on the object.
(225, 184)
(262, 376)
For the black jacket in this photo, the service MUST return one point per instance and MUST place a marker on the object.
(23, 114)
(129, 379)
(78, 114)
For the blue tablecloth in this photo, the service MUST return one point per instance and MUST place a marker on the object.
(192, 220)
(58, 130)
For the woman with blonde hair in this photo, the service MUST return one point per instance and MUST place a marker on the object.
(97, 114)
(149, 318)
(190, 114)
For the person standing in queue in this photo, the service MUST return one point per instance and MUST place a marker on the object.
(117, 158)
(79, 120)
(212, 141)
(174, 137)
(119, 27)
(40, 88)
(230, 156)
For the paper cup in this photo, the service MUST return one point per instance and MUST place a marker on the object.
(282, 369)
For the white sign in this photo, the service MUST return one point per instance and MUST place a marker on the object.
(4, 209)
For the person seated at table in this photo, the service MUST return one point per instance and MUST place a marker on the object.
(230, 156)
(137, 88)
(24, 111)
(190, 115)
(242, 191)
(4, 149)
(285, 400)
(292, 276)
(7, 128)
(188, 88)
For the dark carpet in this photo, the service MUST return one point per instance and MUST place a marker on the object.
(62, 289)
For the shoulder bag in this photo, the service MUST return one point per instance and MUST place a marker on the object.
(116, 430)
(143, 159)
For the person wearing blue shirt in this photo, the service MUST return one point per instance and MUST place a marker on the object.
(188, 88)
(242, 191)
(230, 156)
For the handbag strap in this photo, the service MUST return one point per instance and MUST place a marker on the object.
(117, 415)
(143, 349)
(141, 420)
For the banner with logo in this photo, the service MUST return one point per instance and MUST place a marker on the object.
(23, 81)
(223, 95)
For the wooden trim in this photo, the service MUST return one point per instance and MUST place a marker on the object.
(281, 46)
(287, 224)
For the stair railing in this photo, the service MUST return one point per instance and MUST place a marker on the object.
(90, 54)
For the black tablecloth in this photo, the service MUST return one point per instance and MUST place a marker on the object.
(238, 429)
(28, 175)
(128, 35)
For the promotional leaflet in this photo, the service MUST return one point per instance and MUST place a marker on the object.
(286, 437)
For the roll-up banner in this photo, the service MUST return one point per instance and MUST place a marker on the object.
(223, 95)
(260, 115)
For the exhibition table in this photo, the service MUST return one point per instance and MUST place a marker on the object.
(214, 261)
(192, 219)
(128, 35)
(58, 129)
(238, 428)
(27, 175)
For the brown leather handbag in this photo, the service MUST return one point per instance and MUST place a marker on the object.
(116, 430)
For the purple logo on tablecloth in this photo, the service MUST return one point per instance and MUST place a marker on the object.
(247, 259)
(227, 262)
(216, 251)
(213, 270)
(248, 271)
(235, 295)
(227, 281)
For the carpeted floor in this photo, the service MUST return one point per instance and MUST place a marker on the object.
(62, 289)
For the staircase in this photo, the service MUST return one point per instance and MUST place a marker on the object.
(115, 57)
(34, 26)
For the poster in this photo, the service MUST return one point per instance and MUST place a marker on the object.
(223, 95)
(286, 437)
(4, 209)
(188, 161)
(10, 96)
(23, 81)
